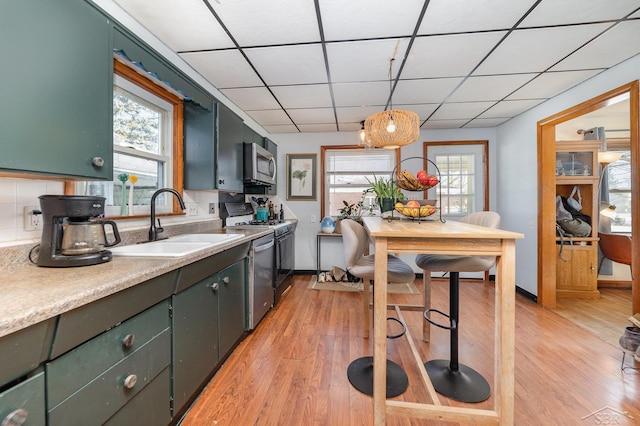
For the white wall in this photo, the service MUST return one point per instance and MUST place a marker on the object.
(517, 184)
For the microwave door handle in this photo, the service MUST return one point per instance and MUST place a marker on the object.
(273, 161)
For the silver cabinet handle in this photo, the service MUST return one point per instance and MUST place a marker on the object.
(214, 287)
(225, 280)
(16, 417)
(130, 381)
(128, 340)
(97, 161)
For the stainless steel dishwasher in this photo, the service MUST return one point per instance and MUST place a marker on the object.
(261, 278)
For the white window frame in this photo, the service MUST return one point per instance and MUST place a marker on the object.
(329, 153)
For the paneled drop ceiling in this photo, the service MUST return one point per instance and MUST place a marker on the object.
(323, 65)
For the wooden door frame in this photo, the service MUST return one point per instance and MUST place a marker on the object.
(546, 129)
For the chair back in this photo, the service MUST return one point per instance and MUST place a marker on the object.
(616, 247)
(354, 241)
(488, 219)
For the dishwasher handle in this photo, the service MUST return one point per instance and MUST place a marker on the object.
(263, 247)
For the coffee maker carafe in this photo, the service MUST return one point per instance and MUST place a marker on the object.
(71, 234)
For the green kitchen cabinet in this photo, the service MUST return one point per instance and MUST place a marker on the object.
(251, 136)
(25, 401)
(95, 381)
(56, 89)
(209, 318)
(229, 166)
(212, 148)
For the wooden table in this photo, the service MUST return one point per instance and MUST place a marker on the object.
(435, 237)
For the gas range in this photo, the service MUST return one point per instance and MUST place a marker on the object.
(240, 216)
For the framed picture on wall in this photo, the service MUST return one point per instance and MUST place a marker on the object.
(301, 177)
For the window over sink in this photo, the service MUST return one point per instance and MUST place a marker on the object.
(147, 131)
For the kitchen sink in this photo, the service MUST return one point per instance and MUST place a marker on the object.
(181, 245)
(206, 238)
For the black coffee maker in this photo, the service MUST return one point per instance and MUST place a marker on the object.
(69, 235)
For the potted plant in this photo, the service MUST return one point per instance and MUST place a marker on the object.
(386, 192)
(352, 211)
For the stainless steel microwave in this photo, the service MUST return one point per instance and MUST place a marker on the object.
(259, 165)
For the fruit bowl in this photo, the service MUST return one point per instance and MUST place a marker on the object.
(407, 181)
(414, 208)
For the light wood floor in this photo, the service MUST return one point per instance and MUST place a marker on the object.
(605, 317)
(292, 369)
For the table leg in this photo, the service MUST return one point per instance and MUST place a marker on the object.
(505, 332)
(317, 258)
(380, 332)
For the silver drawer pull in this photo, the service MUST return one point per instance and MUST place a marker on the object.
(214, 287)
(225, 280)
(16, 417)
(128, 340)
(130, 381)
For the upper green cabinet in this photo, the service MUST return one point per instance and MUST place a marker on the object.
(212, 148)
(56, 89)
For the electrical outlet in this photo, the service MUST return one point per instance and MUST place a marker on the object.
(192, 209)
(32, 222)
(212, 208)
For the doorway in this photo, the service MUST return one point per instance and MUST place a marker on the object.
(546, 190)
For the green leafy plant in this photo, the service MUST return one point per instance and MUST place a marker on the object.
(384, 188)
(351, 211)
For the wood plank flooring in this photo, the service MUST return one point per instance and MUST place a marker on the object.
(291, 370)
(605, 317)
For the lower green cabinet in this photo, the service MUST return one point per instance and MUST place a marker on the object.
(94, 381)
(208, 320)
(23, 404)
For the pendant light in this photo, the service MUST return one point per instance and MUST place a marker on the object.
(391, 128)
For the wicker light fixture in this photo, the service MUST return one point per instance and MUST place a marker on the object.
(392, 128)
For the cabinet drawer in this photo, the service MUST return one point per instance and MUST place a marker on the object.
(151, 404)
(28, 397)
(79, 325)
(102, 397)
(24, 350)
(67, 374)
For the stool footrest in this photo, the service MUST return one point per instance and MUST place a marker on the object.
(402, 332)
(452, 322)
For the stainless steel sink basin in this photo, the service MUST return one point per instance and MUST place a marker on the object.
(177, 246)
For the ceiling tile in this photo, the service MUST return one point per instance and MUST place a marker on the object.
(444, 124)
(312, 116)
(451, 16)
(268, 22)
(423, 110)
(353, 19)
(508, 109)
(599, 54)
(486, 122)
(252, 98)
(215, 66)
(318, 128)
(461, 110)
(425, 91)
(303, 96)
(448, 56)
(536, 50)
(269, 117)
(492, 87)
(282, 129)
(288, 65)
(559, 12)
(167, 17)
(549, 84)
(366, 60)
(356, 114)
(361, 94)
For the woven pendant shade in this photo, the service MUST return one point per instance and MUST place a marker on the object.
(407, 128)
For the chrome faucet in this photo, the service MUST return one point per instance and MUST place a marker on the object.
(155, 230)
